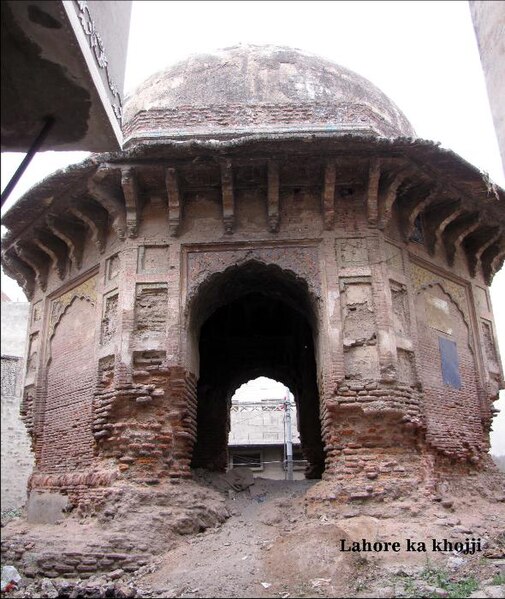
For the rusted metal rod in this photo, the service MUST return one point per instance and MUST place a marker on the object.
(48, 124)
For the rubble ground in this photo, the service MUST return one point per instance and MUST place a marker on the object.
(270, 547)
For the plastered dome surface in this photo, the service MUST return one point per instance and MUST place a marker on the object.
(257, 88)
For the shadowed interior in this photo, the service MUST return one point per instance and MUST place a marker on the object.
(261, 326)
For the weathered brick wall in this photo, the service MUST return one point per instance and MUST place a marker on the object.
(67, 442)
(68, 564)
(17, 457)
(148, 424)
(374, 439)
(453, 414)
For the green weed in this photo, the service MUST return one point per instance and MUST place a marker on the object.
(498, 579)
(455, 588)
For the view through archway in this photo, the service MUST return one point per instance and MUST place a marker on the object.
(264, 434)
(262, 326)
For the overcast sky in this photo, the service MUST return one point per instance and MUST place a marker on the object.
(423, 55)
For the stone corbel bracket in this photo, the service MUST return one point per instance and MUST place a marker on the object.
(329, 195)
(73, 236)
(273, 196)
(15, 267)
(174, 201)
(492, 259)
(55, 248)
(477, 248)
(93, 216)
(109, 198)
(129, 185)
(228, 196)
(437, 220)
(413, 207)
(457, 232)
(390, 194)
(36, 259)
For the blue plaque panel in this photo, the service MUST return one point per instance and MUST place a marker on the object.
(450, 367)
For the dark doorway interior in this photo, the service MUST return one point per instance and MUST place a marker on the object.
(261, 328)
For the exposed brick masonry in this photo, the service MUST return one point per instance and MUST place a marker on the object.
(183, 118)
(148, 424)
(67, 440)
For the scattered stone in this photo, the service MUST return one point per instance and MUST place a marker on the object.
(454, 563)
(48, 589)
(494, 591)
(317, 582)
(433, 591)
(463, 530)
(271, 519)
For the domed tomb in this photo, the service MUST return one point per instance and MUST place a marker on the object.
(246, 89)
(339, 257)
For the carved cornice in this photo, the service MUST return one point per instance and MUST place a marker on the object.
(103, 193)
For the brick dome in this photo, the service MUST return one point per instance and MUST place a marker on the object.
(259, 89)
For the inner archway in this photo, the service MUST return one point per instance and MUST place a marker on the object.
(262, 323)
(264, 434)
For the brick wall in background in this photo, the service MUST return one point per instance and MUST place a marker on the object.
(17, 457)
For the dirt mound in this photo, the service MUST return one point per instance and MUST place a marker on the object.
(309, 554)
(263, 541)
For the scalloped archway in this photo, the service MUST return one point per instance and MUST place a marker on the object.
(251, 320)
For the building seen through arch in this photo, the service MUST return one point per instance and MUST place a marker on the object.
(261, 429)
(271, 214)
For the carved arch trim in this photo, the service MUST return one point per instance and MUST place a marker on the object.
(300, 261)
(423, 278)
(60, 316)
(60, 305)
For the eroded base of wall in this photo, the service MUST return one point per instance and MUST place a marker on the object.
(124, 524)
(145, 419)
(124, 529)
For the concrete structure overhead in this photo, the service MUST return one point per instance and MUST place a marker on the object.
(292, 227)
(65, 60)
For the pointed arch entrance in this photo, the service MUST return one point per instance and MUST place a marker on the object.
(248, 321)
